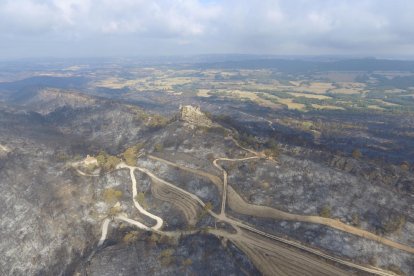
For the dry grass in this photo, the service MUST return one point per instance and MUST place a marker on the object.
(111, 195)
(349, 88)
(310, 96)
(347, 91)
(327, 107)
(239, 94)
(203, 93)
(290, 104)
(382, 102)
(376, 107)
(314, 87)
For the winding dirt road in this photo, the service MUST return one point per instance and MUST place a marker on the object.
(270, 253)
(105, 225)
(240, 225)
(224, 193)
(4, 148)
(239, 205)
(159, 220)
(85, 174)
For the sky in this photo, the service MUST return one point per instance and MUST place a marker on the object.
(118, 28)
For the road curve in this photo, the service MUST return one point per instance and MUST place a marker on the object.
(238, 204)
(159, 220)
(4, 148)
(85, 174)
(105, 225)
(224, 192)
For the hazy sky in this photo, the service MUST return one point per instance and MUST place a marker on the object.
(66, 28)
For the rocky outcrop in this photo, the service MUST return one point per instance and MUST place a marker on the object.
(194, 115)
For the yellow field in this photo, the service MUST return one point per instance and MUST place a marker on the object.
(386, 103)
(330, 107)
(253, 97)
(376, 107)
(310, 96)
(349, 88)
(290, 104)
(141, 84)
(118, 83)
(203, 93)
(314, 87)
(239, 94)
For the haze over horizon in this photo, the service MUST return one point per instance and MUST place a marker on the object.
(92, 28)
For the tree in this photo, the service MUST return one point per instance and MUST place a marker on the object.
(325, 211)
(158, 147)
(405, 166)
(111, 195)
(130, 154)
(356, 154)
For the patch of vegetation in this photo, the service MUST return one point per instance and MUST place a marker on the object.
(130, 154)
(247, 140)
(405, 166)
(395, 269)
(131, 237)
(166, 256)
(157, 121)
(115, 210)
(106, 161)
(393, 224)
(272, 149)
(325, 211)
(210, 157)
(355, 220)
(172, 241)
(187, 262)
(151, 120)
(158, 147)
(356, 153)
(141, 200)
(111, 195)
(62, 156)
(373, 260)
(208, 207)
(153, 238)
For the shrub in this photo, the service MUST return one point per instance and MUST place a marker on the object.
(157, 121)
(62, 156)
(131, 237)
(111, 195)
(210, 157)
(373, 261)
(356, 154)
(405, 166)
(153, 238)
(130, 154)
(208, 207)
(158, 147)
(172, 241)
(141, 200)
(395, 269)
(101, 157)
(167, 252)
(325, 211)
(167, 256)
(355, 220)
(187, 262)
(106, 161)
(114, 211)
(393, 224)
(111, 162)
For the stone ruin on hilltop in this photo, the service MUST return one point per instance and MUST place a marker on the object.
(194, 115)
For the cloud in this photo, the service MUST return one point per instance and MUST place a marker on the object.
(122, 27)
